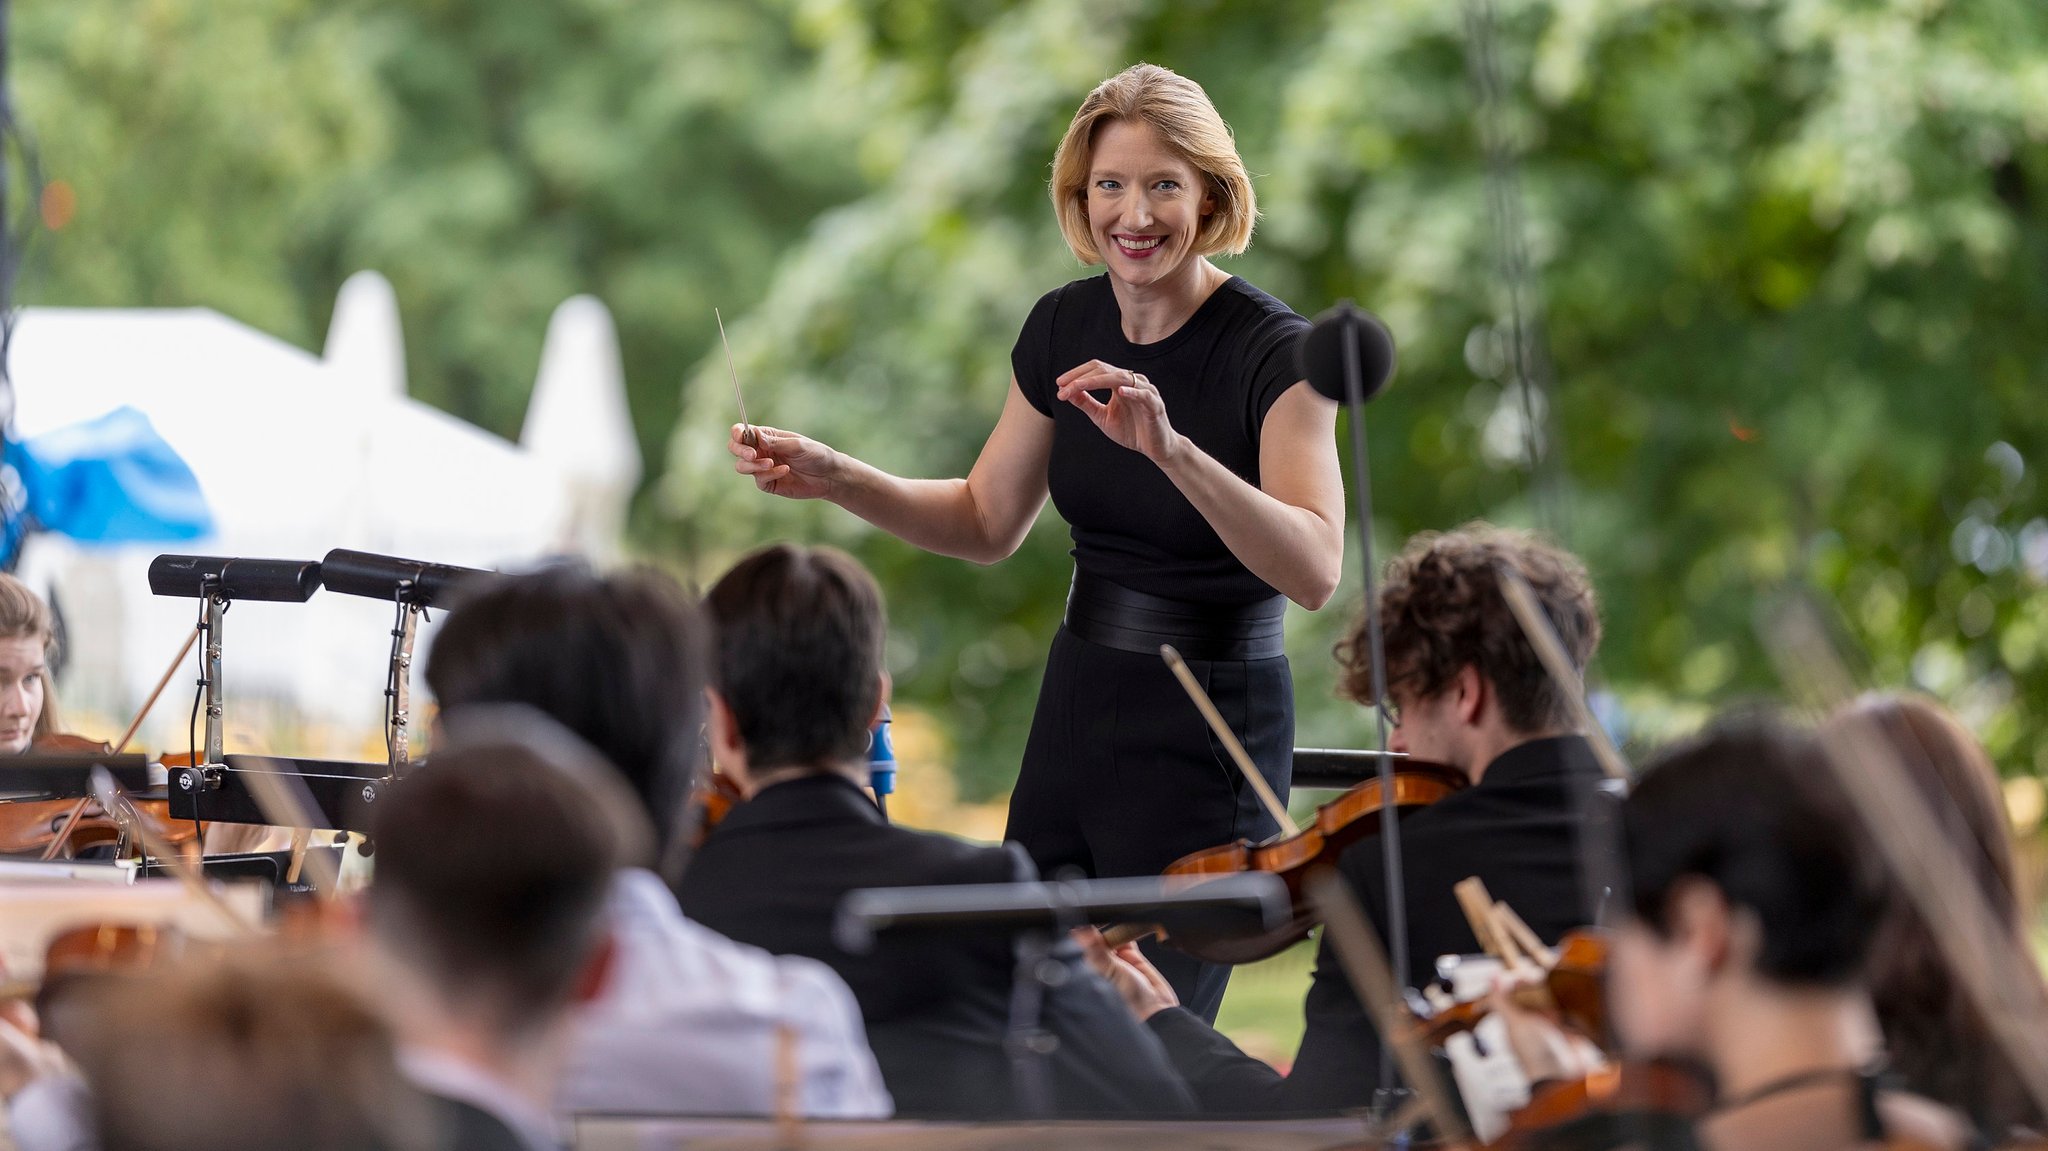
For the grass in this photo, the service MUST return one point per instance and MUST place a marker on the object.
(1262, 1009)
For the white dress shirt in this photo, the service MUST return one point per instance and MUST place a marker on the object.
(694, 1023)
(52, 1113)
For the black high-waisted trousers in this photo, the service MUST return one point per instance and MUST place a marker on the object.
(1121, 775)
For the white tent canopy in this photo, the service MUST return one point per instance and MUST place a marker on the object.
(298, 454)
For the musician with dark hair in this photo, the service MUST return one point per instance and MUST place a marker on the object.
(1756, 896)
(617, 659)
(690, 1022)
(798, 684)
(246, 1052)
(1466, 689)
(487, 920)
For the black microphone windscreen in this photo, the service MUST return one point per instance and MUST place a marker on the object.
(234, 577)
(390, 577)
(1319, 357)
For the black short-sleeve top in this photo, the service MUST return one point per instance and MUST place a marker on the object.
(1219, 374)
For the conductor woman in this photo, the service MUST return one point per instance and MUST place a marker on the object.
(1159, 406)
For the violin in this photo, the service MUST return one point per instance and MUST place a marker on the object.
(1351, 817)
(714, 800)
(64, 741)
(63, 828)
(97, 948)
(1650, 1104)
(1572, 989)
(1295, 853)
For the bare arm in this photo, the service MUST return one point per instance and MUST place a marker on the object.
(1289, 529)
(983, 517)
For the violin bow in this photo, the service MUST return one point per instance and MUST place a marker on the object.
(1514, 927)
(117, 805)
(135, 724)
(1477, 904)
(1245, 766)
(1359, 952)
(1550, 649)
(71, 819)
(77, 811)
(1116, 935)
(1990, 964)
(1600, 867)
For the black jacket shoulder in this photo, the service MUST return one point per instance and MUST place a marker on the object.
(936, 1003)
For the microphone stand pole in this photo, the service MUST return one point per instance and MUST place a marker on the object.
(1390, 825)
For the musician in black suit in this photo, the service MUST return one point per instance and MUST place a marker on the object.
(1466, 689)
(487, 918)
(798, 685)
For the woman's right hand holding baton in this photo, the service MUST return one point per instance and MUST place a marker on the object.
(784, 463)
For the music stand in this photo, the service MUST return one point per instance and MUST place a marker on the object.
(1338, 768)
(343, 793)
(1039, 917)
(68, 774)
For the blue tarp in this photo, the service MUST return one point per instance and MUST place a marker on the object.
(107, 480)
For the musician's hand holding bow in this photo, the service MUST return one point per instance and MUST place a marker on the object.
(1137, 982)
(1542, 1045)
(784, 463)
(1135, 415)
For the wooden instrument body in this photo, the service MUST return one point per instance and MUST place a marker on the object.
(32, 827)
(1587, 1114)
(1574, 989)
(1351, 817)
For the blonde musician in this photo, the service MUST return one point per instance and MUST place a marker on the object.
(27, 711)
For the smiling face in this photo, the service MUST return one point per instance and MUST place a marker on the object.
(1145, 204)
(22, 673)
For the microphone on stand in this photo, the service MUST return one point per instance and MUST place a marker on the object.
(1348, 356)
(1342, 332)
(390, 578)
(234, 577)
(882, 763)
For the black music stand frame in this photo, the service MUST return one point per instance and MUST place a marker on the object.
(1040, 917)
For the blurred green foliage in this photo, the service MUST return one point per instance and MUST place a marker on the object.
(1795, 256)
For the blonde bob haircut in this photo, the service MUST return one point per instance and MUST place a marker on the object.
(1178, 109)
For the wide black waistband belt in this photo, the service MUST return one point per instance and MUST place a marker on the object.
(1115, 616)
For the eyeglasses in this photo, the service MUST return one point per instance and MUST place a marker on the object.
(1391, 712)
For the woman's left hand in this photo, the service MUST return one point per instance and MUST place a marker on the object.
(1135, 415)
